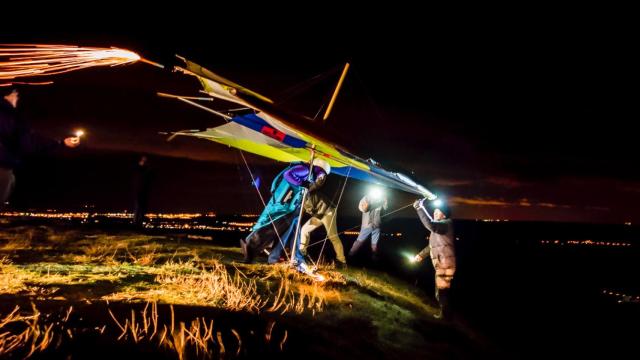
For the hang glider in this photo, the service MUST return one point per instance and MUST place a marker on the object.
(265, 132)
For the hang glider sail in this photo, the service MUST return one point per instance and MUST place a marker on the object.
(265, 132)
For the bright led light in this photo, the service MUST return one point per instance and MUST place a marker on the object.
(410, 257)
(437, 203)
(79, 133)
(375, 193)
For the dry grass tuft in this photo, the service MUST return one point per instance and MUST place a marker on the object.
(104, 253)
(11, 279)
(23, 333)
(214, 287)
(146, 255)
(198, 337)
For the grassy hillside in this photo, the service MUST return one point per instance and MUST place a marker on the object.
(82, 292)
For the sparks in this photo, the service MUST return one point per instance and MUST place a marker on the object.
(18, 60)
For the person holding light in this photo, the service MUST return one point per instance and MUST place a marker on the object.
(18, 140)
(440, 249)
(371, 206)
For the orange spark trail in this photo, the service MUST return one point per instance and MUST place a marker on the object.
(28, 60)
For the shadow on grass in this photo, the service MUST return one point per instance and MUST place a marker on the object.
(97, 288)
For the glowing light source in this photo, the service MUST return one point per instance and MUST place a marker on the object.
(79, 133)
(29, 60)
(375, 193)
(410, 257)
(437, 203)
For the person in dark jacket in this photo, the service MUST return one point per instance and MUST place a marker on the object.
(18, 140)
(323, 212)
(371, 206)
(440, 249)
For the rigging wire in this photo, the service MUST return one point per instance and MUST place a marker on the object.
(335, 213)
(357, 226)
(263, 202)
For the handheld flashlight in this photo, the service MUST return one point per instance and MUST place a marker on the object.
(410, 257)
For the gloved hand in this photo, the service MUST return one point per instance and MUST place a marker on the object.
(416, 204)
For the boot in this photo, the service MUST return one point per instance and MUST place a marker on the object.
(444, 313)
(375, 257)
(340, 265)
(246, 251)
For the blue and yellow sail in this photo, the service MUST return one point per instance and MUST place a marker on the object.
(265, 134)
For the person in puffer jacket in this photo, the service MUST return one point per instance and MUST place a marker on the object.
(441, 250)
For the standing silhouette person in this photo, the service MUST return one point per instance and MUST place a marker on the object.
(17, 140)
(142, 186)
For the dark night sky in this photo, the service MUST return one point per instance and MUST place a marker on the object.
(524, 119)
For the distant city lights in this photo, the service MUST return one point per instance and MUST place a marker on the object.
(156, 220)
(621, 297)
(585, 243)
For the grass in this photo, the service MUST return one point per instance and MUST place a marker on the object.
(198, 335)
(141, 269)
(70, 265)
(27, 333)
(24, 334)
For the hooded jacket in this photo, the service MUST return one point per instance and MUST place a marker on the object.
(441, 238)
(285, 199)
(371, 211)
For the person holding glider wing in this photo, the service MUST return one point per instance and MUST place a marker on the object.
(440, 249)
